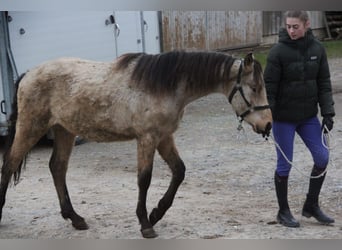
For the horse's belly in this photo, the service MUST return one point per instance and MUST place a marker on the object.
(102, 135)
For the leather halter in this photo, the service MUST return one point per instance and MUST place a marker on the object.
(238, 87)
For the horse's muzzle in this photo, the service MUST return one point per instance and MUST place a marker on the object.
(267, 131)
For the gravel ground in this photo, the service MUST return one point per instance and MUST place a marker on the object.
(228, 191)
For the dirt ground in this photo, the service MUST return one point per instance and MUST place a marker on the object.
(228, 191)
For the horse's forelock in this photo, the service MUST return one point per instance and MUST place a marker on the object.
(258, 73)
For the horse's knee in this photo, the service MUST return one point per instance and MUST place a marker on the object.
(58, 166)
(144, 178)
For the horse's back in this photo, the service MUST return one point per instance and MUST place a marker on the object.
(94, 99)
(67, 91)
(55, 81)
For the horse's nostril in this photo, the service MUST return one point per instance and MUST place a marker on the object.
(267, 130)
(268, 127)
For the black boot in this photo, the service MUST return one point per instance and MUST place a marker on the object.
(311, 207)
(284, 216)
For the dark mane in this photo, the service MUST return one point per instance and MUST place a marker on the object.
(162, 73)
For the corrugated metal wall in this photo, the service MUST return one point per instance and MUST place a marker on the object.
(183, 29)
(228, 29)
(273, 20)
(210, 30)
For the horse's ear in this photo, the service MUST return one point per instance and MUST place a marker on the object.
(249, 61)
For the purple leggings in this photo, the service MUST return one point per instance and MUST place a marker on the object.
(310, 132)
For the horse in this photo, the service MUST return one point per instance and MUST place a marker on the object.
(137, 96)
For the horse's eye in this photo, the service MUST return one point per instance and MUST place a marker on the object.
(254, 90)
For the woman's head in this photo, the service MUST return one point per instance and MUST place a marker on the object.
(296, 23)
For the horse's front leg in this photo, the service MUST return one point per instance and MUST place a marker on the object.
(63, 145)
(169, 153)
(146, 150)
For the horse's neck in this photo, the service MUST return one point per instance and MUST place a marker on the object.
(223, 86)
(191, 96)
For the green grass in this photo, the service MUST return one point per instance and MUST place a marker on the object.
(333, 49)
(261, 56)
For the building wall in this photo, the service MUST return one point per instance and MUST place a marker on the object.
(274, 20)
(211, 30)
(208, 30)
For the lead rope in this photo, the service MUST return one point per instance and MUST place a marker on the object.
(329, 141)
(325, 139)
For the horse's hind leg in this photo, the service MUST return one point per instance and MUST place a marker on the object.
(24, 140)
(63, 144)
(169, 153)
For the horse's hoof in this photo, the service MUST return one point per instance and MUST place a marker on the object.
(149, 233)
(80, 225)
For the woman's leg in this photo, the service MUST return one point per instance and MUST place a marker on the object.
(284, 136)
(284, 133)
(311, 133)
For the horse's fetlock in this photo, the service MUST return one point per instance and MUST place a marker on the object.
(80, 224)
(66, 215)
(155, 216)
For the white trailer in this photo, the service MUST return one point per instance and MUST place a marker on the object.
(38, 36)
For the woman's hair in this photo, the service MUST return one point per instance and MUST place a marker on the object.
(301, 14)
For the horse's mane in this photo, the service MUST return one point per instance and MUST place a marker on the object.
(162, 73)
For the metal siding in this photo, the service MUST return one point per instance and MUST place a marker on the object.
(151, 34)
(210, 29)
(233, 28)
(49, 35)
(274, 20)
(316, 19)
(182, 29)
(129, 39)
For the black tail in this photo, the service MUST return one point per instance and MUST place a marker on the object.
(11, 131)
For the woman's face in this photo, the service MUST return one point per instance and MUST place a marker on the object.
(296, 28)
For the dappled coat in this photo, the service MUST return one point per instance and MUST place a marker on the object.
(297, 78)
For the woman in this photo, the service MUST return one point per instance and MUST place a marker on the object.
(297, 80)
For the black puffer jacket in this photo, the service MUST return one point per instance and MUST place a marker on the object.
(297, 78)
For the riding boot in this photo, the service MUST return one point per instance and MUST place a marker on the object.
(284, 215)
(311, 207)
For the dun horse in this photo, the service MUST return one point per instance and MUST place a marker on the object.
(139, 97)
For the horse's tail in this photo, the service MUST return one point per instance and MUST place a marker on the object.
(11, 132)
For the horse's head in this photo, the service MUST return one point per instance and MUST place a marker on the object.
(248, 96)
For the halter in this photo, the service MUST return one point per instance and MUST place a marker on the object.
(238, 87)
